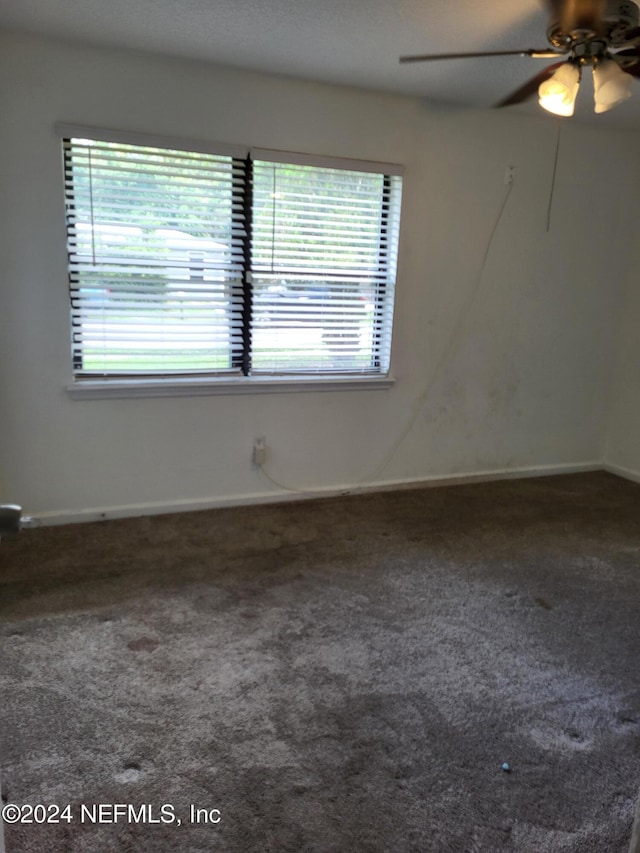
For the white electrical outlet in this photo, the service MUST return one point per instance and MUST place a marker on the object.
(260, 451)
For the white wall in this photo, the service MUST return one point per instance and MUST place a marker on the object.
(623, 440)
(506, 372)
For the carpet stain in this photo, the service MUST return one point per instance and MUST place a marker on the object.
(131, 774)
(133, 771)
(559, 741)
(143, 644)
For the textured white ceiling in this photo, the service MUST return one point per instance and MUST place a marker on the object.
(353, 42)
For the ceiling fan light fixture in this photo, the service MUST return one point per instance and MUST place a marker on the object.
(558, 94)
(611, 85)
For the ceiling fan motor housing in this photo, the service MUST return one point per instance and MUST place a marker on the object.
(580, 21)
(620, 16)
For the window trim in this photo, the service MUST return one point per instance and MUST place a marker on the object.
(95, 387)
(103, 389)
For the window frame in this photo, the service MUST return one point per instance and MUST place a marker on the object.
(96, 386)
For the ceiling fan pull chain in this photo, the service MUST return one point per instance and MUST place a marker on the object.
(553, 178)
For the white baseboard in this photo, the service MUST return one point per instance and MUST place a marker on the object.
(619, 471)
(74, 516)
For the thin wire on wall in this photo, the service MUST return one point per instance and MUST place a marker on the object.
(453, 337)
(421, 399)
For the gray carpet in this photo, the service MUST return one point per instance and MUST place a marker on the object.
(336, 675)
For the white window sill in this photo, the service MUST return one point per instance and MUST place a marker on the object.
(102, 389)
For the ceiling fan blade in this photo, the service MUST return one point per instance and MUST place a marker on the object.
(631, 37)
(534, 54)
(630, 60)
(629, 52)
(530, 87)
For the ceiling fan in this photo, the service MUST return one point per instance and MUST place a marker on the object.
(602, 34)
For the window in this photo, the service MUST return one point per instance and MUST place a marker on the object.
(191, 263)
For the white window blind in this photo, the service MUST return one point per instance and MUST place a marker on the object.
(188, 262)
(156, 259)
(324, 255)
